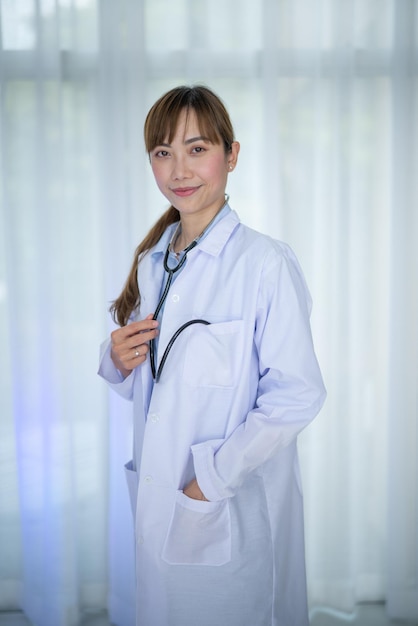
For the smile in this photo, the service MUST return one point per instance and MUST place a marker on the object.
(183, 192)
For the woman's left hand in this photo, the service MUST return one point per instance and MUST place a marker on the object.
(193, 491)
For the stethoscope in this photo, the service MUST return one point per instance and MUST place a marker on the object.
(156, 373)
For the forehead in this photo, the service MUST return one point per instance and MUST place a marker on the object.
(185, 125)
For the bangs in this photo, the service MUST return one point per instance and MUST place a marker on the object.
(163, 119)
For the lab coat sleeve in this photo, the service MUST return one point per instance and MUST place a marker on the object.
(290, 387)
(113, 377)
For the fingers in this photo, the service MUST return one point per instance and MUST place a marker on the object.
(121, 335)
(138, 354)
(130, 343)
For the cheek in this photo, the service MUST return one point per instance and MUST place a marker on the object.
(158, 173)
(217, 171)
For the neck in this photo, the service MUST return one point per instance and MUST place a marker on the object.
(186, 234)
(193, 227)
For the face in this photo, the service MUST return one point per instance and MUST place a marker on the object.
(191, 171)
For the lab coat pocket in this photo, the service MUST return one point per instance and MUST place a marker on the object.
(213, 354)
(132, 480)
(199, 533)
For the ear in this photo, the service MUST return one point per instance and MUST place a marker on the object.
(232, 157)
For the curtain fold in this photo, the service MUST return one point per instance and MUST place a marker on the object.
(403, 316)
(323, 96)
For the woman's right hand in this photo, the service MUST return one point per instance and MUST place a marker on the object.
(129, 344)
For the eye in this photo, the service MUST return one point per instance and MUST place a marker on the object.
(198, 150)
(161, 154)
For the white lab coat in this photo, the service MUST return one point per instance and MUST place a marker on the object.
(230, 402)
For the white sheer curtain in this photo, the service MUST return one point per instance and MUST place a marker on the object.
(324, 96)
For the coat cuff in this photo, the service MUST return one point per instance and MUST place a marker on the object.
(204, 465)
(112, 375)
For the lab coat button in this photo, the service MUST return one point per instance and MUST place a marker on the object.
(148, 480)
(175, 297)
(154, 417)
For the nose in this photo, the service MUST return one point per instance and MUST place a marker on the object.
(180, 169)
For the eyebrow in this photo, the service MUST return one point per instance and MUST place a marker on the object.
(188, 141)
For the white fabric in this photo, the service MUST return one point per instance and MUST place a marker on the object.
(231, 399)
(323, 97)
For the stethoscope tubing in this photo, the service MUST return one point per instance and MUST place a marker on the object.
(156, 373)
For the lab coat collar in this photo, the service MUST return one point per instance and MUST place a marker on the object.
(214, 241)
(161, 246)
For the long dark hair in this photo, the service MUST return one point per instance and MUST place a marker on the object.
(160, 125)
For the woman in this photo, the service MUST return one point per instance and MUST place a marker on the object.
(217, 357)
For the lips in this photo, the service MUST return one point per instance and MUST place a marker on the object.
(183, 192)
